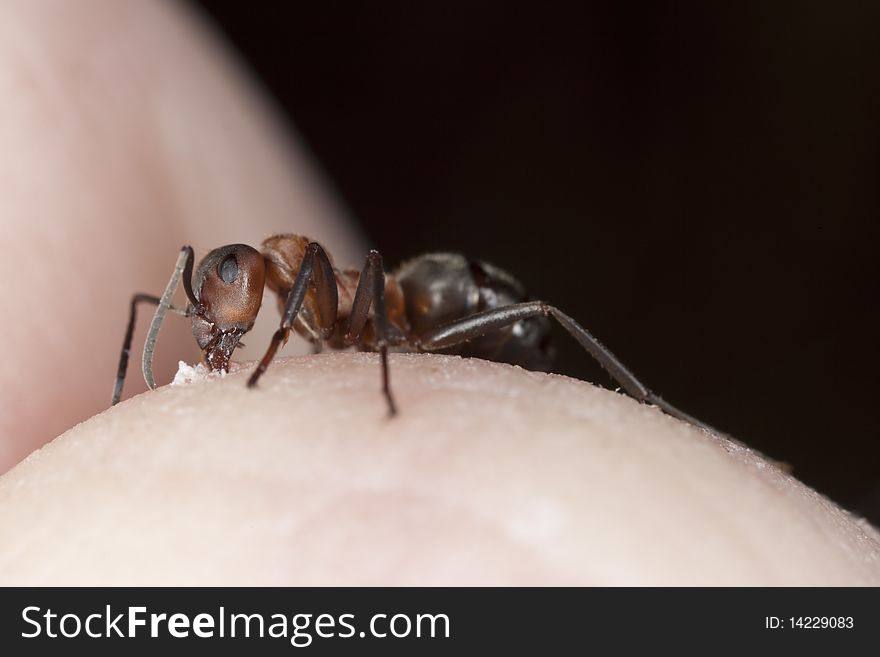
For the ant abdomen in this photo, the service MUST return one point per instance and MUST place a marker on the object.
(441, 288)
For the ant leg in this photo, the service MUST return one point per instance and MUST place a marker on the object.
(315, 267)
(126, 344)
(327, 293)
(371, 290)
(485, 322)
(132, 317)
(129, 332)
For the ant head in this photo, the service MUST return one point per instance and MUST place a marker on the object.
(228, 285)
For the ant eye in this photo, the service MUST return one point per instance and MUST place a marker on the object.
(228, 269)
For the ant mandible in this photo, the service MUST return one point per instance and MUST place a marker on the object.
(434, 302)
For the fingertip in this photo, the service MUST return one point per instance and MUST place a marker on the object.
(488, 474)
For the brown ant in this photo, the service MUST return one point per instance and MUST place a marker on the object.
(438, 302)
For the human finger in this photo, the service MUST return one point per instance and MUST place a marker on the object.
(488, 475)
(128, 131)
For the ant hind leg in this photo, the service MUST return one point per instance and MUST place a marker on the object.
(479, 324)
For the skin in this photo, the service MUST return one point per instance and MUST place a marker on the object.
(122, 148)
(127, 132)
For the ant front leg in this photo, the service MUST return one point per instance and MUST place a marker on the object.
(184, 267)
(485, 322)
(122, 370)
(371, 289)
(315, 266)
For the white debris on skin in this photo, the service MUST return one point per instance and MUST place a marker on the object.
(199, 373)
(187, 374)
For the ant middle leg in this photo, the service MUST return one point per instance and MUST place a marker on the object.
(315, 267)
(371, 290)
(479, 324)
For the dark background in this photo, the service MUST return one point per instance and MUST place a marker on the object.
(695, 184)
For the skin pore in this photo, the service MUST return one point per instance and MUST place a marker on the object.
(122, 148)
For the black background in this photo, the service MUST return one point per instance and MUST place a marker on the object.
(696, 184)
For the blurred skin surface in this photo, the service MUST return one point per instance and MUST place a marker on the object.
(489, 475)
(127, 133)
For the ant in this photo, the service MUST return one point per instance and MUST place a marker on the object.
(434, 302)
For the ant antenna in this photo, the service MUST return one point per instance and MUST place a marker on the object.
(184, 262)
